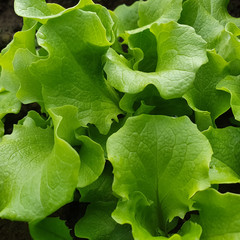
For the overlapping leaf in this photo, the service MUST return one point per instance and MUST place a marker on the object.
(180, 53)
(159, 162)
(219, 214)
(9, 82)
(149, 102)
(39, 171)
(50, 228)
(231, 85)
(72, 73)
(225, 165)
(203, 96)
(99, 215)
(142, 15)
(194, 14)
(41, 11)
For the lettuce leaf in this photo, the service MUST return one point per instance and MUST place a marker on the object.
(49, 228)
(39, 171)
(203, 95)
(180, 54)
(219, 214)
(224, 167)
(129, 108)
(99, 215)
(159, 162)
(72, 66)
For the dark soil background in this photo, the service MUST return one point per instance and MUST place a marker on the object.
(9, 24)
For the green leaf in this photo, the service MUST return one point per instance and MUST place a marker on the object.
(105, 18)
(180, 53)
(219, 214)
(142, 15)
(218, 9)
(32, 8)
(72, 73)
(228, 45)
(68, 117)
(231, 85)
(203, 119)
(190, 231)
(91, 153)
(8, 103)
(49, 228)
(203, 95)
(145, 42)
(9, 81)
(97, 224)
(38, 169)
(30, 89)
(194, 14)
(225, 164)
(1, 129)
(24, 40)
(101, 189)
(41, 11)
(165, 159)
(153, 11)
(127, 17)
(92, 161)
(139, 212)
(154, 104)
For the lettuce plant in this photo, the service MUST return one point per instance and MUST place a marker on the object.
(131, 104)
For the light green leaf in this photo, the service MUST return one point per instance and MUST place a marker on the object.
(38, 120)
(91, 153)
(153, 11)
(194, 14)
(203, 95)
(228, 45)
(127, 17)
(32, 8)
(41, 11)
(219, 215)
(72, 73)
(24, 40)
(165, 159)
(92, 161)
(231, 85)
(97, 224)
(142, 15)
(105, 18)
(139, 212)
(190, 231)
(180, 53)
(203, 119)
(8, 103)
(50, 229)
(9, 82)
(218, 9)
(225, 164)
(39, 172)
(68, 117)
(30, 89)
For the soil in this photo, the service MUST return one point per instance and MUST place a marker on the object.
(11, 23)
